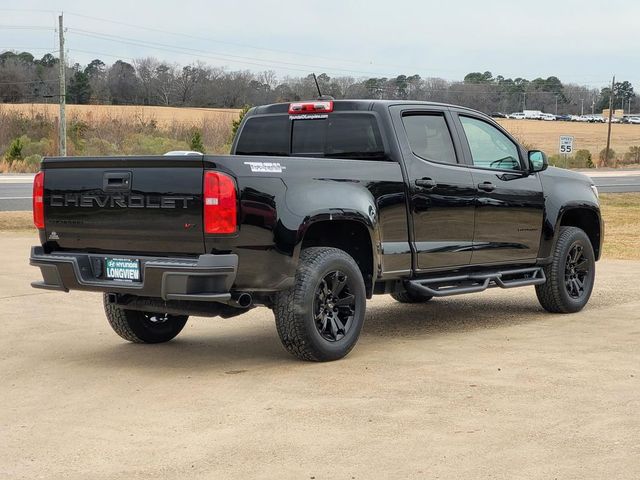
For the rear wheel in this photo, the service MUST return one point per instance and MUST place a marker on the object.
(571, 274)
(405, 296)
(320, 317)
(143, 327)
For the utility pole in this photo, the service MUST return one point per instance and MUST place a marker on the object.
(556, 105)
(524, 101)
(582, 106)
(606, 152)
(62, 123)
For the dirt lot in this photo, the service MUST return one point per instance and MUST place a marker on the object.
(479, 386)
(590, 136)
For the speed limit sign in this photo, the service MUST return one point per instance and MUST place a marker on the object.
(566, 144)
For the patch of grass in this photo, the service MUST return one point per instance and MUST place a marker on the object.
(16, 221)
(621, 213)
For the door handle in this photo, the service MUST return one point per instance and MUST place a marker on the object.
(486, 186)
(116, 181)
(426, 183)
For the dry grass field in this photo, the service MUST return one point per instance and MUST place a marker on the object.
(590, 136)
(164, 116)
(533, 133)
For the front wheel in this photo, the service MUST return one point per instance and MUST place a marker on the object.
(570, 275)
(320, 317)
(143, 327)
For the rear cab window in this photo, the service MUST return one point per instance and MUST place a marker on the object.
(343, 135)
(429, 137)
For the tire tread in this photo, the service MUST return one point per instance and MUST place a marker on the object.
(289, 321)
(549, 293)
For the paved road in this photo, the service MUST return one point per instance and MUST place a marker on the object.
(617, 184)
(473, 387)
(15, 190)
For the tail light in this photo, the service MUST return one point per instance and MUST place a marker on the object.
(311, 107)
(220, 206)
(38, 200)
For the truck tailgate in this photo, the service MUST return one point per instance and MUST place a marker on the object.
(129, 205)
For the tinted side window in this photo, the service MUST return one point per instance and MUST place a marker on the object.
(355, 136)
(265, 136)
(490, 148)
(429, 137)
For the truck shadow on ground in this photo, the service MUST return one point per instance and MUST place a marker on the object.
(256, 343)
(450, 315)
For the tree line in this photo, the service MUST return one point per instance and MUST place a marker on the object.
(149, 81)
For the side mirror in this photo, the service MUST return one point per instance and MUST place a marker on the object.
(537, 161)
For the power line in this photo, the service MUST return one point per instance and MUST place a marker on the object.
(28, 82)
(25, 27)
(101, 54)
(244, 45)
(206, 54)
(199, 53)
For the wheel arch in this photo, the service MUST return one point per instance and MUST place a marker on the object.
(350, 233)
(588, 220)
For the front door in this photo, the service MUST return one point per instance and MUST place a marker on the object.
(441, 187)
(510, 202)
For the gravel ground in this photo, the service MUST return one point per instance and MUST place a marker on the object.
(471, 387)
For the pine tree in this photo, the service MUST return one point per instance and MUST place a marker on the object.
(196, 142)
(15, 151)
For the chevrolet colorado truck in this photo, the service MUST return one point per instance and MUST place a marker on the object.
(320, 205)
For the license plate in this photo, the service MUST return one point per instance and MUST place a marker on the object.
(123, 269)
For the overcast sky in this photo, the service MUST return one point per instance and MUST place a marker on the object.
(581, 41)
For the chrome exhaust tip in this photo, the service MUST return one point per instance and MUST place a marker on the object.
(241, 300)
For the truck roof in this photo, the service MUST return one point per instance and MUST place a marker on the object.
(356, 104)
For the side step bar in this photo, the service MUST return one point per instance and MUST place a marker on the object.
(477, 282)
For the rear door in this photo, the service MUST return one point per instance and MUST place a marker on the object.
(510, 202)
(130, 205)
(441, 187)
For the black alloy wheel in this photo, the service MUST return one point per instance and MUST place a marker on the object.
(334, 306)
(570, 275)
(576, 271)
(320, 317)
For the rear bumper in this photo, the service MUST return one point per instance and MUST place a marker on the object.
(208, 278)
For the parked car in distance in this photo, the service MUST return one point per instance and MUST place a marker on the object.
(635, 120)
(532, 114)
(499, 115)
(564, 118)
(548, 117)
(517, 116)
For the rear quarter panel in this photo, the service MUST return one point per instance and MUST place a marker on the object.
(280, 197)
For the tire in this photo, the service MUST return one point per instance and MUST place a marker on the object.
(405, 296)
(320, 318)
(143, 327)
(570, 275)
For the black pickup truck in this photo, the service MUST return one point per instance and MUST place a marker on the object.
(320, 205)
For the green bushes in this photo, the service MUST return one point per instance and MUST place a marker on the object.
(603, 153)
(582, 159)
(196, 142)
(24, 135)
(632, 156)
(145, 144)
(15, 151)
